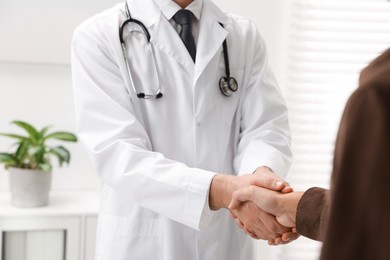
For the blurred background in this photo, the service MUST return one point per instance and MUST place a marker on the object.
(317, 49)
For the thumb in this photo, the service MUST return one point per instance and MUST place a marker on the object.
(287, 188)
(241, 196)
(272, 182)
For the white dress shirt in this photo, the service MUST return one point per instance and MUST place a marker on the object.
(169, 8)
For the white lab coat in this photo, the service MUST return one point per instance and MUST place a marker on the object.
(157, 158)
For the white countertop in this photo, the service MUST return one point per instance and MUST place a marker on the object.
(62, 203)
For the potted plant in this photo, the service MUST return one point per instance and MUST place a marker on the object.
(30, 164)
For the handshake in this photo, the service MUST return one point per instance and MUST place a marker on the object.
(263, 205)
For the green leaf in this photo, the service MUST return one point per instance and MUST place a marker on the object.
(43, 132)
(38, 152)
(9, 160)
(19, 137)
(22, 150)
(62, 154)
(34, 149)
(11, 164)
(46, 167)
(63, 136)
(34, 134)
(6, 157)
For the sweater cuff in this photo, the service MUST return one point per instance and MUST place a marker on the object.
(312, 213)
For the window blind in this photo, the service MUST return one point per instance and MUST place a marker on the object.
(327, 44)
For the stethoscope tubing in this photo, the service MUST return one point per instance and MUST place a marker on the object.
(227, 84)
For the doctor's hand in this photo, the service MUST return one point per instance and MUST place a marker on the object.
(282, 206)
(223, 186)
(259, 224)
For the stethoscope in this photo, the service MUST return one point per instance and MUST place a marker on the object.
(227, 84)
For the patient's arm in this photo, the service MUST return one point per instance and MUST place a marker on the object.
(306, 211)
(312, 213)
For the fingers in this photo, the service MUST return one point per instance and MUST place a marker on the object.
(255, 221)
(271, 227)
(258, 234)
(249, 233)
(287, 189)
(239, 223)
(268, 181)
(240, 196)
(278, 240)
(232, 215)
(289, 237)
(272, 242)
(284, 239)
(263, 198)
(266, 178)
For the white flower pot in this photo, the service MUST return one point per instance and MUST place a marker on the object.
(29, 188)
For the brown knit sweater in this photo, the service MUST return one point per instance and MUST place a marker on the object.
(353, 218)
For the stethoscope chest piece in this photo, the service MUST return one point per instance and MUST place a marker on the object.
(228, 85)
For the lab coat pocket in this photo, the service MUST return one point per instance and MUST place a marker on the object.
(229, 105)
(122, 238)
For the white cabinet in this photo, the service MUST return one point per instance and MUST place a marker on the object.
(66, 229)
(28, 245)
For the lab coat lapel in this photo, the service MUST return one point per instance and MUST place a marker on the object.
(165, 38)
(163, 35)
(211, 36)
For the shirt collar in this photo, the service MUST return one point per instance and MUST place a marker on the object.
(169, 8)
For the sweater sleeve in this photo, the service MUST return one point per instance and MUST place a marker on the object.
(312, 213)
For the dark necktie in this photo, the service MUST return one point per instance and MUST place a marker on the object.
(184, 18)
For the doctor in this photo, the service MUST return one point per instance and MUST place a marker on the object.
(170, 143)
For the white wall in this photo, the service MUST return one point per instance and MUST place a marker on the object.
(42, 95)
(269, 18)
(35, 77)
(41, 30)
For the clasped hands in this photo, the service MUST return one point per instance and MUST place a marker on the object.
(263, 205)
